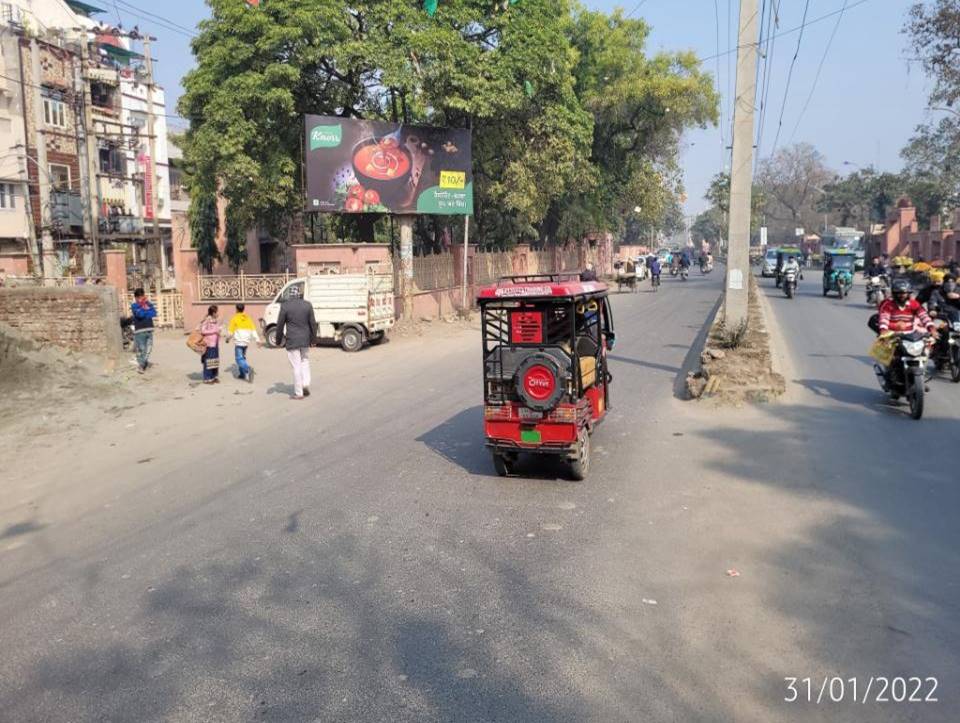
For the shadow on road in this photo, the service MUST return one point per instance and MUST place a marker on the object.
(459, 440)
(886, 521)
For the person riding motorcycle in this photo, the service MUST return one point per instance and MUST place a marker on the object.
(876, 268)
(900, 314)
(791, 265)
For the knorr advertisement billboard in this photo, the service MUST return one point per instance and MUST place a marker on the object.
(361, 166)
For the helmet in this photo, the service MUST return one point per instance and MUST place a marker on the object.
(901, 287)
(936, 276)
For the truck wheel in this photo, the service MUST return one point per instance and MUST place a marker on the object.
(351, 339)
(271, 336)
(377, 337)
(580, 465)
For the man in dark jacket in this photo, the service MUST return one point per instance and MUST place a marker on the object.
(296, 331)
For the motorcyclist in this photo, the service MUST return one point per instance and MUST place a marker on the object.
(685, 259)
(900, 314)
(875, 269)
(791, 265)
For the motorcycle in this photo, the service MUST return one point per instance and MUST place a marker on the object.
(946, 349)
(877, 287)
(906, 376)
(706, 267)
(674, 269)
(684, 272)
(790, 283)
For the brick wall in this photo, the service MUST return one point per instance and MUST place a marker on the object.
(80, 319)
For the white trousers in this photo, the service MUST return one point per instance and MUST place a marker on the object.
(301, 369)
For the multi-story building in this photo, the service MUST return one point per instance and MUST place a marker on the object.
(75, 91)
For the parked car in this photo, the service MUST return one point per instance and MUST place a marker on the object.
(351, 309)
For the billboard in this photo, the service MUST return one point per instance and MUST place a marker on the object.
(361, 166)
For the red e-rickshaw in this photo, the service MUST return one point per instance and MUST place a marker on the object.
(545, 379)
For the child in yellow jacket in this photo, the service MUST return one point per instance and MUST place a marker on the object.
(243, 330)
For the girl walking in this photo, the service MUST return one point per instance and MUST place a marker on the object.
(210, 330)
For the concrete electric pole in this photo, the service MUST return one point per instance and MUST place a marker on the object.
(149, 167)
(47, 252)
(741, 171)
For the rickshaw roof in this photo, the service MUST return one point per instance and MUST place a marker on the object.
(840, 252)
(540, 286)
(789, 250)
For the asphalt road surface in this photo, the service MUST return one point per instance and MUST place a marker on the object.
(356, 559)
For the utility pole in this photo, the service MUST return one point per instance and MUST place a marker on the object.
(152, 164)
(741, 171)
(47, 254)
(90, 183)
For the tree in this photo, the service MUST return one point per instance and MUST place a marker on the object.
(640, 105)
(503, 72)
(932, 174)
(718, 194)
(203, 228)
(934, 32)
(525, 77)
(791, 182)
(236, 247)
(862, 198)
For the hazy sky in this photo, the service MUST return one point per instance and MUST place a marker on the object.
(867, 101)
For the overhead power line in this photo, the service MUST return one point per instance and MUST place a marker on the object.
(806, 24)
(158, 20)
(786, 89)
(816, 78)
(723, 135)
(773, 22)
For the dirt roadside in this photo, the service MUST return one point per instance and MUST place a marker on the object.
(66, 417)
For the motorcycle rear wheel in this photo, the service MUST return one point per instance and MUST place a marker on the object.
(955, 365)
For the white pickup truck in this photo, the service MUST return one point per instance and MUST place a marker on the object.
(351, 309)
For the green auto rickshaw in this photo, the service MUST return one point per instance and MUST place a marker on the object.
(784, 253)
(838, 268)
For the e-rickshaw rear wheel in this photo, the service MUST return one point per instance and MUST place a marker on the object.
(580, 465)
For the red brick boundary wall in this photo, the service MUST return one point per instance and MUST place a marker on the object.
(83, 319)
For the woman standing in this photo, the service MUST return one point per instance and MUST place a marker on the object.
(210, 330)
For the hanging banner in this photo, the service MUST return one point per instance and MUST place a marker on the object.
(146, 166)
(360, 166)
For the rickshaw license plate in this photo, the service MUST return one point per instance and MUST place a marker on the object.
(531, 436)
(525, 413)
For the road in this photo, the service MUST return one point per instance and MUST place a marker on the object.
(354, 558)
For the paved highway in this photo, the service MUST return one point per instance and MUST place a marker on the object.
(356, 559)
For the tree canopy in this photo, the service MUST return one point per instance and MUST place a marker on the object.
(572, 122)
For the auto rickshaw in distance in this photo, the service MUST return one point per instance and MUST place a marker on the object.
(838, 268)
(545, 379)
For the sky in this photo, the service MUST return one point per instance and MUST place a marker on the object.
(864, 107)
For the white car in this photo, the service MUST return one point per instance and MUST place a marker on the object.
(768, 265)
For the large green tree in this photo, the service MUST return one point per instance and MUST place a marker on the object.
(572, 123)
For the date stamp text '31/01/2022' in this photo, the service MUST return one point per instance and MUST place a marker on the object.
(872, 689)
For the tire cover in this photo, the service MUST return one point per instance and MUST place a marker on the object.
(539, 382)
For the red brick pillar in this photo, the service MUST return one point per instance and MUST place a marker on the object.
(115, 268)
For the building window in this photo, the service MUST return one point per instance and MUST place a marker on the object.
(59, 177)
(7, 195)
(54, 112)
(112, 160)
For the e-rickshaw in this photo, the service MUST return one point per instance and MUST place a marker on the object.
(838, 268)
(784, 253)
(546, 384)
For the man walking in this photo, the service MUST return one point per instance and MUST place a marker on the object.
(243, 331)
(296, 330)
(143, 313)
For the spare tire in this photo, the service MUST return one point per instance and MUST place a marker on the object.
(539, 382)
